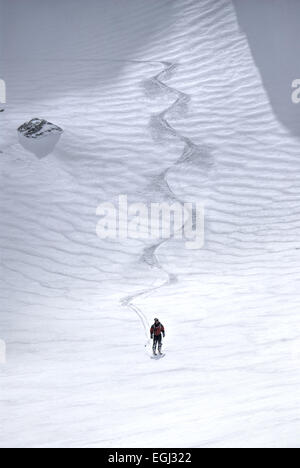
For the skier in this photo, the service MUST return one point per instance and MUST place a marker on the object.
(156, 332)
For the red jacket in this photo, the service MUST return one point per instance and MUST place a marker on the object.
(157, 330)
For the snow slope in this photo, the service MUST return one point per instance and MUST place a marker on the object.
(74, 308)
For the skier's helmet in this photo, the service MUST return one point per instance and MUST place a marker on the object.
(156, 320)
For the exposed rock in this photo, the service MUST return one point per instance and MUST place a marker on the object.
(38, 128)
(39, 136)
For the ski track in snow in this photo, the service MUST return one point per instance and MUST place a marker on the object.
(190, 152)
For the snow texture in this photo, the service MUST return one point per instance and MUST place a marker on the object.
(160, 100)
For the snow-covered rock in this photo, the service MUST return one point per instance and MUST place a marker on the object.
(39, 136)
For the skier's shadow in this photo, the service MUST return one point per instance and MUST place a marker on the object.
(272, 29)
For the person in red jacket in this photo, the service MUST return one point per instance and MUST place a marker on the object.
(156, 332)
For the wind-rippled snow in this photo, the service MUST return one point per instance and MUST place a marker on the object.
(78, 372)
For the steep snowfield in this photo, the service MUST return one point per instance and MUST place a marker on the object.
(72, 312)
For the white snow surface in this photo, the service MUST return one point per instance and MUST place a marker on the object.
(74, 308)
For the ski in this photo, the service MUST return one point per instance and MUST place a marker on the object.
(158, 356)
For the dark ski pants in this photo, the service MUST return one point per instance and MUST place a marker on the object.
(157, 342)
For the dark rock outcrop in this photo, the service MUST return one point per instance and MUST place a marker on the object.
(39, 136)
